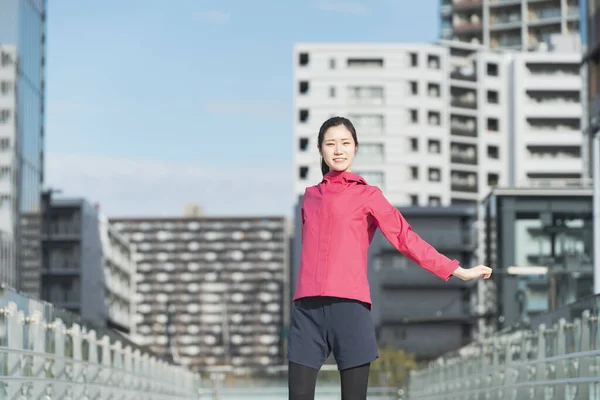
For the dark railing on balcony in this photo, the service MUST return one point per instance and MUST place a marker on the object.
(460, 159)
(463, 103)
(462, 76)
(459, 131)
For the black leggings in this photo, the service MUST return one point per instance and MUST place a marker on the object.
(302, 381)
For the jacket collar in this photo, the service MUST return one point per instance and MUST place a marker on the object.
(342, 177)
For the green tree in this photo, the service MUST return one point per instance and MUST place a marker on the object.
(392, 367)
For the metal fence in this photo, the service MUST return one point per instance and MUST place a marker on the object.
(47, 353)
(270, 383)
(557, 361)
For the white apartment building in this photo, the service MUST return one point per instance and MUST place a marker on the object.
(396, 96)
(440, 124)
(120, 269)
(508, 24)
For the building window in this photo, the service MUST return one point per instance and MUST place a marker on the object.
(435, 201)
(434, 146)
(372, 95)
(414, 200)
(332, 91)
(434, 118)
(414, 60)
(332, 63)
(433, 90)
(433, 62)
(492, 125)
(303, 87)
(365, 63)
(373, 178)
(414, 173)
(492, 69)
(493, 179)
(369, 124)
(435, 175)
(303, 115)
(370, 153)
(5, 59)
(414, 88)
(414, 144)
(5, 87)
(492, 97)
(303, 144)
(414, 116)
(4, 144)
(303, 172)
(492, 152)
(4, 116)
(304, 59)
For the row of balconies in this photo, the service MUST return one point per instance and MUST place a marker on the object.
(220, 318)
(162, 236)
(233, 255)
(209, 267)
(183, 225)
(181, 324)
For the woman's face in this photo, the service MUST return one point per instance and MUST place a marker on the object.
(338, 148)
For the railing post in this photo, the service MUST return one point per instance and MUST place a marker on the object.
(106, 372)
(15, 319)
(540, 373)
(583, 389)
(59, 369)
(560, 366)
(524, 371)
(92, 373)
(77, 390)
(127, 377)
(37, 340)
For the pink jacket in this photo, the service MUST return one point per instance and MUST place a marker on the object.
(339, 218)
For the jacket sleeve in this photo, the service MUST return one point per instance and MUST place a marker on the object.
(400, 234)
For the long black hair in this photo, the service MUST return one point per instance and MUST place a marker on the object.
(330, 123)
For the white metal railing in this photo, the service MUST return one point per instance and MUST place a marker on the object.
(557, 362)
(49, 359)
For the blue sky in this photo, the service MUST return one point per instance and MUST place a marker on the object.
(152, 106)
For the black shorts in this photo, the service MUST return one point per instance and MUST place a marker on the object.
(322, 325)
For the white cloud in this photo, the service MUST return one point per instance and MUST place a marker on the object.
(133, 187)
(213, 16)
(346, 7)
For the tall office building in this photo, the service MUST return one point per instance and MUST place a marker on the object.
(442, 124)
(508, 24)
(22, 66)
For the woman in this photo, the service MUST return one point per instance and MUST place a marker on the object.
(331, 308)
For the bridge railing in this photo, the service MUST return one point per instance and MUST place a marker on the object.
(557, 358)
(48, 353)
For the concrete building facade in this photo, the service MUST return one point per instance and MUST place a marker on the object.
(22, 97)
(211, 291)
(508, 24)
(539, 227)
(87, 267)
(442, 124)
(396, 97)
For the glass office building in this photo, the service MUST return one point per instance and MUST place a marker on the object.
(22, 66)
